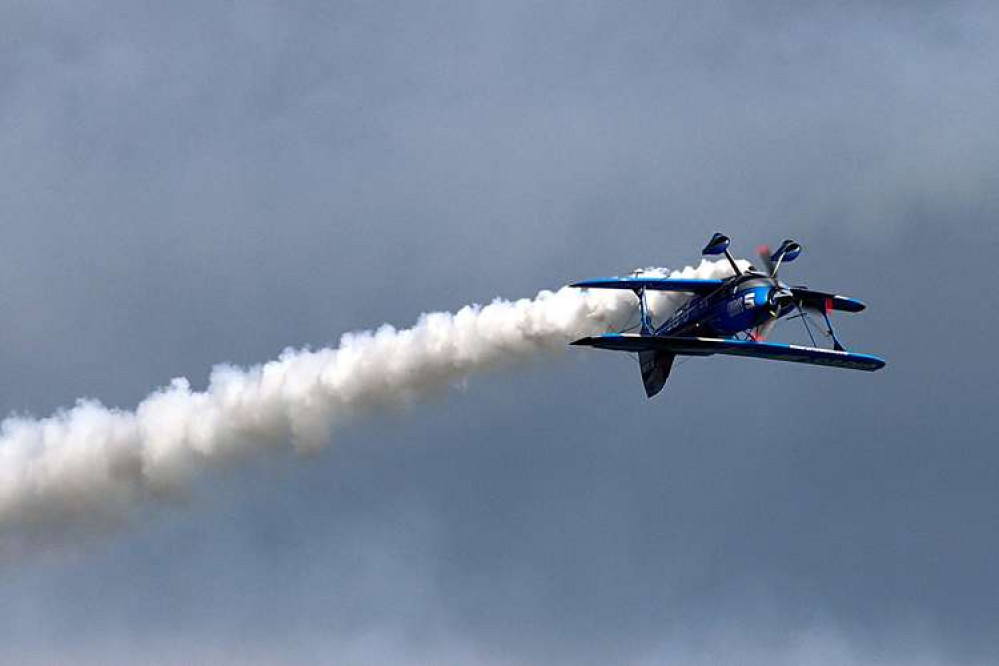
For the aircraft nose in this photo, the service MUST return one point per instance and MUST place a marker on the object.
(779, 300)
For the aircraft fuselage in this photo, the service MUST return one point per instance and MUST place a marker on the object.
(741, 304)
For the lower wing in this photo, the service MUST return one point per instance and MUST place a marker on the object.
(707, 346)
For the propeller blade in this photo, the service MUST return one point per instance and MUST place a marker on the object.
(764, 252)
(761, 332)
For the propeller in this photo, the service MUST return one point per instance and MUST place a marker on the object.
(779, 300)
(788, 251)
(780, 297)
(763, 251)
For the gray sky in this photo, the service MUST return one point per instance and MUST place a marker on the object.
(196, 182)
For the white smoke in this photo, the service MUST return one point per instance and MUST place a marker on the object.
(90, 464)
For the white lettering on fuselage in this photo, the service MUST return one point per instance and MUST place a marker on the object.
(737, 306)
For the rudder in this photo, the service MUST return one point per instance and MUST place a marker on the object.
(656, 366)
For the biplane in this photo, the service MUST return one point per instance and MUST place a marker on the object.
(729, 316)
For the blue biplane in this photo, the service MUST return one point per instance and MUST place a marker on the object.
(728, 316)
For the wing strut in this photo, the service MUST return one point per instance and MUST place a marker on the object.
(804, 322)
(832, 334)
(643, 309)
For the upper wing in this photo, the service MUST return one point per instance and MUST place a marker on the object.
(708, 346)
(823, 301)
(657, 284)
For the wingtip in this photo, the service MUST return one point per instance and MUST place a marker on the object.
(874, 363)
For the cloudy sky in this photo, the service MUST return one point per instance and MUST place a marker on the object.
(190, 183)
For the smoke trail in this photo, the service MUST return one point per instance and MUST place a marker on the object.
(89, 464)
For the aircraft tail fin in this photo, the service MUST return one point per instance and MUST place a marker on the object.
(656, 366)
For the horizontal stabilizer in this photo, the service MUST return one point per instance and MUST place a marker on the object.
(631, 342)
(823, 301)
(652, 284)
